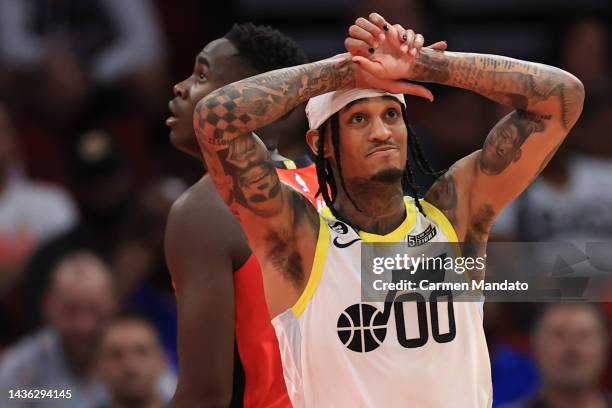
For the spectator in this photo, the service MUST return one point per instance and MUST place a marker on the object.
(80, 301)
(591, 64)
(130, 363)
(570, 201)
(143, 280)
(75, 46)
(30, 213)
(570, 346)
(102, 186)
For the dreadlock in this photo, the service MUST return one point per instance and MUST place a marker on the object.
(325, 176)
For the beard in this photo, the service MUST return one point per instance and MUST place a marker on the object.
(390, 176)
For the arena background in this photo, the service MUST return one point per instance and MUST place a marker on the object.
(83, 101)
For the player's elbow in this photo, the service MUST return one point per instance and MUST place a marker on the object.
(572, 99)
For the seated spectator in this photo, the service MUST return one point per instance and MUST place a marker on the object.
(30, 213)
(80, 301)
(570, 346)
(570, 201)
(73, 46)
(130, 363)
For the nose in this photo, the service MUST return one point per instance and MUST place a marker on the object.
(379, 132)
(180, 90)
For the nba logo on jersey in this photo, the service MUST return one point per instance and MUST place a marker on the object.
(302, 183)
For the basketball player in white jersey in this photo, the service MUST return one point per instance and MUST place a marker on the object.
(311, 262)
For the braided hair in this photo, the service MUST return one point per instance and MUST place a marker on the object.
(327, 184)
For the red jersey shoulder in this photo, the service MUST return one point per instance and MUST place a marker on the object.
(303, 179)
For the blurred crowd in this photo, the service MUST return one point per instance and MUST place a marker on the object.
(88, 175)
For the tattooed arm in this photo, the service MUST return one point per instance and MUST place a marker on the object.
(272, 215)
(547, 103)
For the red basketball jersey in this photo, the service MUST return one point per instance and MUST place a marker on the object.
(255, 336)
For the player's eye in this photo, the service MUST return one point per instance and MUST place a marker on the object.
(392, 113)
(357, 118)
(202, 76)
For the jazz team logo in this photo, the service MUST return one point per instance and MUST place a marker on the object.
(362, 327)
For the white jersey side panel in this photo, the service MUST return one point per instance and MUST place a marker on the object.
(339, 352)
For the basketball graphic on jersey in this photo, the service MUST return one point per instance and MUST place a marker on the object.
(362, 327)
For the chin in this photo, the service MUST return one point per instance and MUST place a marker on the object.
(388, 175)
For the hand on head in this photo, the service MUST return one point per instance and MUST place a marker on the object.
(385, 54)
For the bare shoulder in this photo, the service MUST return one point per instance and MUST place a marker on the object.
(200, 226)
(452, 194)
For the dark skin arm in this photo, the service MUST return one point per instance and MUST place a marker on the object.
(547, 102)
(204, 245)
(280, 224)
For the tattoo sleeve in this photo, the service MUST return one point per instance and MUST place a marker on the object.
(545, 92)
(247, 105)
(225, 119)
(547, 102)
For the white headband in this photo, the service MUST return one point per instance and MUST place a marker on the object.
(322, 107)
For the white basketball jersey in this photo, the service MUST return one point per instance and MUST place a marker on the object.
(337, 353)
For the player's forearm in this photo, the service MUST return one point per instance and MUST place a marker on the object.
(527, 86)
(247, 105)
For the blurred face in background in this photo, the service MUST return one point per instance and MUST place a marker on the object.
(590, 64)
(218, 64)
(80, 303)
(130, 361)
(570, 346)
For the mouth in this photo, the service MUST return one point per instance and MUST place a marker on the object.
(381, 149)
(172, 120)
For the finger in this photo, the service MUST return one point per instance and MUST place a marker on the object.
(401, 36)
(439, 46)
(416, 46)
(376, 32)
(379, 21)
(408, 41)
(410, 35)
(358, 47)
(399, 86)
(359, 33)
(419, 40)
(369, 66)
(401, 32)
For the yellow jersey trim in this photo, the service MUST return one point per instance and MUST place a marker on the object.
(439, 218)
(397, 235)
(318, 263)
(447, 228)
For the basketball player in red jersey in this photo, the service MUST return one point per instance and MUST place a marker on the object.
(218, 282)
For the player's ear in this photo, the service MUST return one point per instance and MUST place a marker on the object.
(312, 138)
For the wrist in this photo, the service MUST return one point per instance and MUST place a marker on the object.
(430, 66)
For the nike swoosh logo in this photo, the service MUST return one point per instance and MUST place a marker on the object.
(346, 245)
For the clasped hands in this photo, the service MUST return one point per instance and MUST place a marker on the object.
(384, 55)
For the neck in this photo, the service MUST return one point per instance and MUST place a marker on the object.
(381, 204)
(562, 396)
(80, 366)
